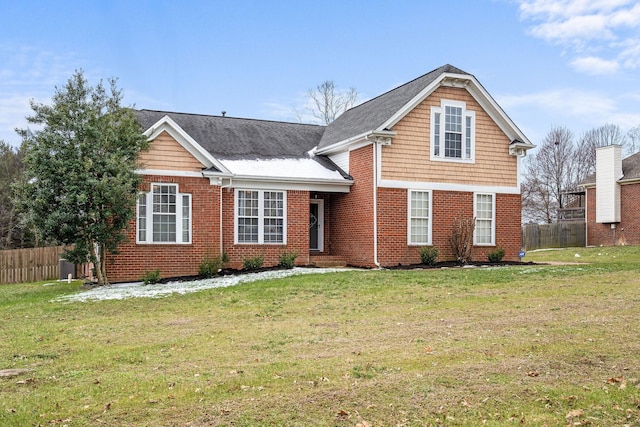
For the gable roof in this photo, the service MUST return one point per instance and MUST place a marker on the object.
(382, 112)
(230, 138)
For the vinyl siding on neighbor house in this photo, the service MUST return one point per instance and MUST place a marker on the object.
(408, 157)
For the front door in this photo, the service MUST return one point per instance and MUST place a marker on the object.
(316, 225)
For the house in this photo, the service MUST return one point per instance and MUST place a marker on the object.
(613, 199)
(370, 189)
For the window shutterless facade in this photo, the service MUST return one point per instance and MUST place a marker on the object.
(419, 216)
(260, 217)
(163, 215)
(485, 213)
(452, 132)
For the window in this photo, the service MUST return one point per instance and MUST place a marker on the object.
(164, 215)
(452, 132)
(260, 217)
(484, 210)
(419, 227)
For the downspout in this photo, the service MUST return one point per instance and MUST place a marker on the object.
(375, 201)
(222, 187)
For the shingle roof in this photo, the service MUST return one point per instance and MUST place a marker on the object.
(373, 113)
(229, 138)
(630, 170)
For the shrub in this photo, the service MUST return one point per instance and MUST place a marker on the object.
(210, 267)
(428, 255)
(288, 259)
(496, 256)
(253, 263)
(150, 277)
(461, 239)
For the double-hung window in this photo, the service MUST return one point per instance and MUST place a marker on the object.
(485, 213)
(163, 215)
(260, 217)
(452, 132)
(419, 215)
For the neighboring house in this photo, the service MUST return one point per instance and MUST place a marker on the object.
(613, 199)
(370, 189)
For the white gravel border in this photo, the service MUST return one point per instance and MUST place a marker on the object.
(138, 290)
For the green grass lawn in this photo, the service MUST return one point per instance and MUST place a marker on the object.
(535, 345)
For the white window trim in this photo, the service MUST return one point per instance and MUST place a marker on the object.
(465, 113)
(493, 218)
(149, 217)
(429, 236)
(260, 217)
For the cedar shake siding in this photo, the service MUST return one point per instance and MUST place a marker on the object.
(165, 153)
(408, 156)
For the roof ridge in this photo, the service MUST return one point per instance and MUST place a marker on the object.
(444, 69)
(231, 117)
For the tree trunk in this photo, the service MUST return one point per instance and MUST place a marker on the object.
(98, 263)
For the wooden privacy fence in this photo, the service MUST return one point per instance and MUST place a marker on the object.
(29, 265)
(558, 235)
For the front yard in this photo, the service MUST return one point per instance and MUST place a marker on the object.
(521, 345)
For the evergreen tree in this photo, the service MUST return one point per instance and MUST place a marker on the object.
(80, 184)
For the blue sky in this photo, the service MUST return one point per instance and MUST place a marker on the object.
(573, 63)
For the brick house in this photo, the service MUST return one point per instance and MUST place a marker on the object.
(370, 189)
(612, 202)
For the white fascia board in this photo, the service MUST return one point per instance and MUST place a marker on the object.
(479, 94)
(183, 138)
(373, 136)
(283, 183)
(167, 172)
(341, 145)
(444, 186)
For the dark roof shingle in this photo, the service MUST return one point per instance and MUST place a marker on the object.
(230, 138)
(373, 113)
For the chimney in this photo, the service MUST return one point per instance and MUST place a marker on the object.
(608, 172)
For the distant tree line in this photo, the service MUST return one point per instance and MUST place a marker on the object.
(562, 162)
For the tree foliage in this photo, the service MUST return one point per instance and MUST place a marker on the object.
(81, 184)
(326, 102)
(14, 232)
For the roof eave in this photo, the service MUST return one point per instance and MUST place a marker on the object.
(382, 136)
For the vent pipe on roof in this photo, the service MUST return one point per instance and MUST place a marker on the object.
(224, 113)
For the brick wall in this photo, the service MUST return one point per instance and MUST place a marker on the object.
(171, 259)
(297, 232)
(627, 231)
(351, 215)
(393, 248)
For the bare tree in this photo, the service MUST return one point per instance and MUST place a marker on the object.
(326, 102)
(555, 168)
(633, 140)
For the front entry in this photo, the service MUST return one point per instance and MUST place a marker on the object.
(316, 225)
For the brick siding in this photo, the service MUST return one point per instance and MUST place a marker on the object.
(627, 231)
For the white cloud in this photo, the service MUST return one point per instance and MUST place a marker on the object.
(27, 73)
(595, 66)
(567, 102)
(588, 28)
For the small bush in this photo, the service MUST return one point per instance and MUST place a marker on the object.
(253, 263)
(428, 255)
(496, 256)
(210, 267)
(288, 259)
(150, 277)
